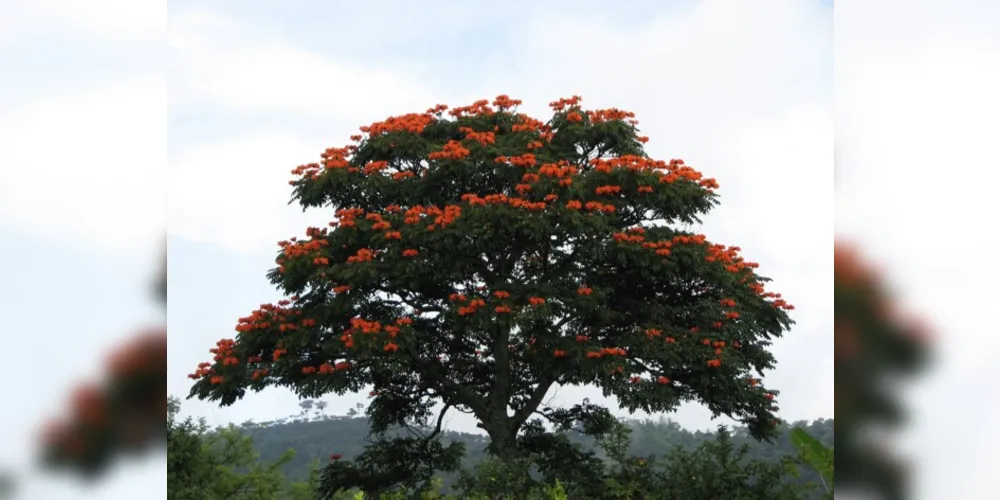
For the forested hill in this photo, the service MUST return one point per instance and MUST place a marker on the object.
(315, 435)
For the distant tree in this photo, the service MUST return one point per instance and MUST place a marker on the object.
(222, 465)
(477, 261)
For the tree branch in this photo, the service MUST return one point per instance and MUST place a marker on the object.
(523, 413)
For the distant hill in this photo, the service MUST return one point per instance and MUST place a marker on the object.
(314, 435)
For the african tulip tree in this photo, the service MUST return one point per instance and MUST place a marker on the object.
(478, 258)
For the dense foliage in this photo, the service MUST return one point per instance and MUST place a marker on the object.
(315, 434)
(223, 465)
(481, 258)
(659, 460)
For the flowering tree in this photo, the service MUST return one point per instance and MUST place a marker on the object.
(481, 257)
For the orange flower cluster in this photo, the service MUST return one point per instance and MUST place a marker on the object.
(503, 101)
(607, 351)
(668, 172)
(526, 160)
(611, 115)
(561, 170)
(596, 206)
(480, 107)
(336, 158)
(608, 189)
(631, 235)
(484, 138)
(471, 307)
(307, 171)
(363, 255)
(267, 315)
(565, 102)
(326, 368)
(365, 327)
(494, 199)
(410, 252)
(453, 150)
(375, 166)
(414, 123)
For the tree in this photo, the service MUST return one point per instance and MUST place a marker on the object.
(222, 465)
(479, 259)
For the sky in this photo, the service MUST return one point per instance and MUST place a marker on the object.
(742, 91)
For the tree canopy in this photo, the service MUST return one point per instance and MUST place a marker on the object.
(479, 256)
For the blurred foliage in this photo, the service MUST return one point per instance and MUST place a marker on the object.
(875, 344)
(119, 415)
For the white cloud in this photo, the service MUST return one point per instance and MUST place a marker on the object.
(230, 193)
(217, 63)
(87, 167)
(115, 21)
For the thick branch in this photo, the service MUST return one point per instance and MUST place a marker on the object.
(523, 413)
(456, 392)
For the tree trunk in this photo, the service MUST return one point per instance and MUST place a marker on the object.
(503, 439)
